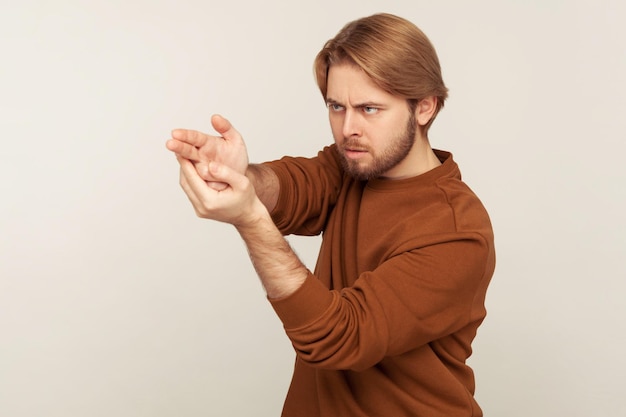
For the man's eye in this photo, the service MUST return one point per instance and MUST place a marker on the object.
(335, 107)
(370, 110)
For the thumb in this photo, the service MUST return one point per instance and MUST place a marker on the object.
(220, 124)
(223, 173)
(226, 129)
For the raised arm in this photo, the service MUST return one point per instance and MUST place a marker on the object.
(279, 268)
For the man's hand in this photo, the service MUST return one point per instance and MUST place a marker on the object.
(279, 268)
(237, 203)
(228, 149)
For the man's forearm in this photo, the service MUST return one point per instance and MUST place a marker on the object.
(279, 268)
(265, 183)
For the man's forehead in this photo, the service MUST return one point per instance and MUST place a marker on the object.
(347, 83)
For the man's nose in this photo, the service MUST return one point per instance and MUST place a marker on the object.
(351, 124)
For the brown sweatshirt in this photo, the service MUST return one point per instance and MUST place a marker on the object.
(384, 325)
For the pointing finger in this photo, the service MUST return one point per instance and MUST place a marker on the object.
(192, 137)
(183, 149)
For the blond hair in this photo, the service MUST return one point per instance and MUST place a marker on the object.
(393, 52)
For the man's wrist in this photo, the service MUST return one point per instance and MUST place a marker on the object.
(256, 221)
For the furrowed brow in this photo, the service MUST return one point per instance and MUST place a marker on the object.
(368, 104)
(333, 101)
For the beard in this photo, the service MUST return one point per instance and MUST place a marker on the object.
(396, 150)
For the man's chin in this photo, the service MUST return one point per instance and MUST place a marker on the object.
(359, 173)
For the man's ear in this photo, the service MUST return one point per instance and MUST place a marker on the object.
(425, 110)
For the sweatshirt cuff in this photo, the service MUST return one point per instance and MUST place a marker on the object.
(305, 305)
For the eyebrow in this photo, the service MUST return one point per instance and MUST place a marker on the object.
(357, 106)
(332, 101)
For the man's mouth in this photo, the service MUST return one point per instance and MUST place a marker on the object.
(354, 153)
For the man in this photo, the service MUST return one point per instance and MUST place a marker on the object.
(384, 325)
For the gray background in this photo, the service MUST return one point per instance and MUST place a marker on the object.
(116, 300)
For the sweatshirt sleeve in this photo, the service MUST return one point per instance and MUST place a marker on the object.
(415, 297)
(308, 191)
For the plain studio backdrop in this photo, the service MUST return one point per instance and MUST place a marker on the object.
(115, 300)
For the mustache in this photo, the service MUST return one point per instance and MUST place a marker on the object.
(353, 145)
